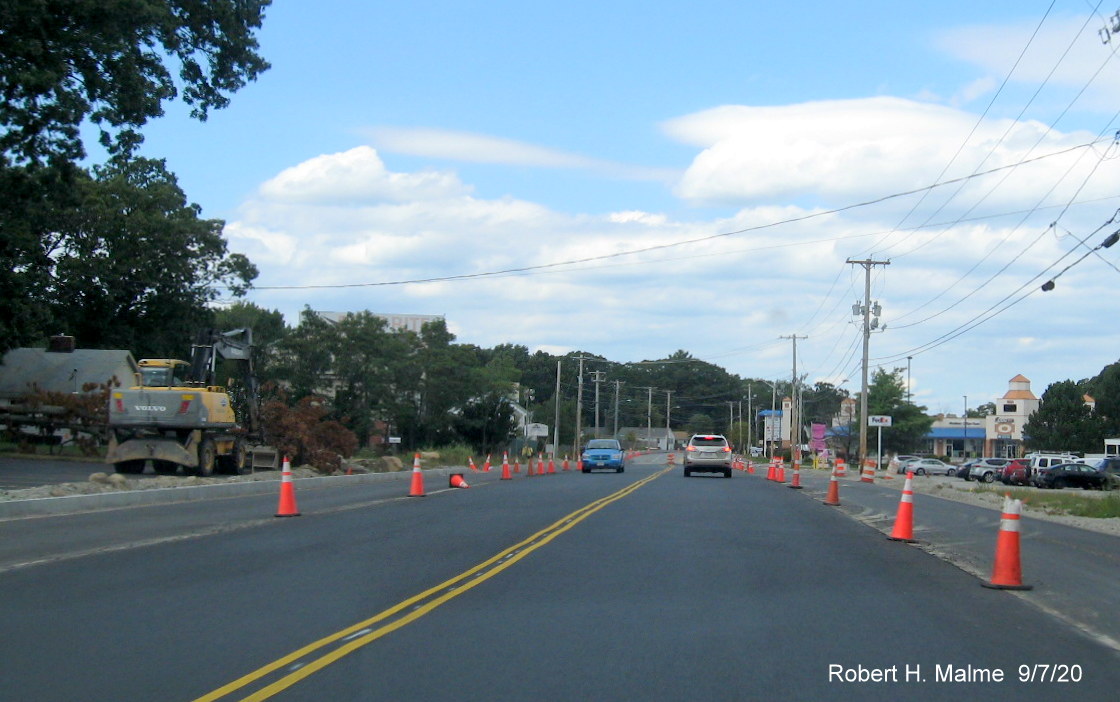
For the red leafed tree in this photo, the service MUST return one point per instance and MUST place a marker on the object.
(304, 435)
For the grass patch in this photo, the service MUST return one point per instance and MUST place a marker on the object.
(1059, 502)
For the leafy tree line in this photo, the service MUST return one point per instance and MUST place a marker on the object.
(1064, 421)
(432, 391)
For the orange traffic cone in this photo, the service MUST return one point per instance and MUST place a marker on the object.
(796, 484)
(566, 466)
(781, 472)
(516, 465)
(287, 506)
(486, 466)
(417, 489)
(750, 467)
(579, 464)
(1007, 573)
(505, 467)
(470, 464)
(457, 481)
(540, 464)
(551, 466)
(904, 520)
(833, 497)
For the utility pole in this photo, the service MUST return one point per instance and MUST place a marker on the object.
(865, 310)
(617, 391)
(750, 413)
(597, 377)
(668, 413)
(556, 412)
(795, 419)
(579, 410)
(649, 415)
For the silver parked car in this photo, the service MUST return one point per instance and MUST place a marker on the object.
(986, 470)
(929, 466)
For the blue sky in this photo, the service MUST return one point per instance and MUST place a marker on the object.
(395, 141)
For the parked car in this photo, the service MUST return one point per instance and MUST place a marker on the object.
(965, 469)
(1016, 472)
(1045, 460)
(1070, 475)
(986, 470)
(1110, 467)
(707, 453)
(603, 453)
(929, 466)
(903, 461)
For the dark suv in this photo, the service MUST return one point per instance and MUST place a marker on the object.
(707, 453)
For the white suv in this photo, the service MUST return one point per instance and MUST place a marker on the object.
(707, 453)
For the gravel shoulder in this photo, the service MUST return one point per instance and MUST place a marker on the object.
(991, 496)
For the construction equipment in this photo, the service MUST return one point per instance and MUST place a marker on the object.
(176, 416)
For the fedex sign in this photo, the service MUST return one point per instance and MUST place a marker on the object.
(878, 420)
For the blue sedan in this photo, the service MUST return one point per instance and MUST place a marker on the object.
(603, 453)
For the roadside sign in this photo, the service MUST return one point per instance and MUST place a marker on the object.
(879, 420)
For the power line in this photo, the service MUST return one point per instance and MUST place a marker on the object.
(661, 247)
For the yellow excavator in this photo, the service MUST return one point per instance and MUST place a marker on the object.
(176, 416)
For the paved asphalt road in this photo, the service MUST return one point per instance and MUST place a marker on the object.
(633, 586)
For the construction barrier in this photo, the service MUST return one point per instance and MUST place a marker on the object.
(841, 468)
(868, 473)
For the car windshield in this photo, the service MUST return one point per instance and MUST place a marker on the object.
(603, 444)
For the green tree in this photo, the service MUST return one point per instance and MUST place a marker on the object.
(63, 62)
(304, 359)
(67, 63)
(700, 423)
(133, 265)
(886, 395)
(1105, 389)
(1063, 421)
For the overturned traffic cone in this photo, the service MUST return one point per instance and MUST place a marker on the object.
(505, 467)
(457, 481)
(833, 497)
(796, 484)
(417, 489)
(904, 520)
(287, 507)
(470, 464)
(1007, 573)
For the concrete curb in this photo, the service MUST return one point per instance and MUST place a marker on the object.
(72, 504)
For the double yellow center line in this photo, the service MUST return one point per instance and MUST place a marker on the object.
(302, 663)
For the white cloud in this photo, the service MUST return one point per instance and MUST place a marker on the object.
(846, 151)
(357, 176)
(481, 148)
